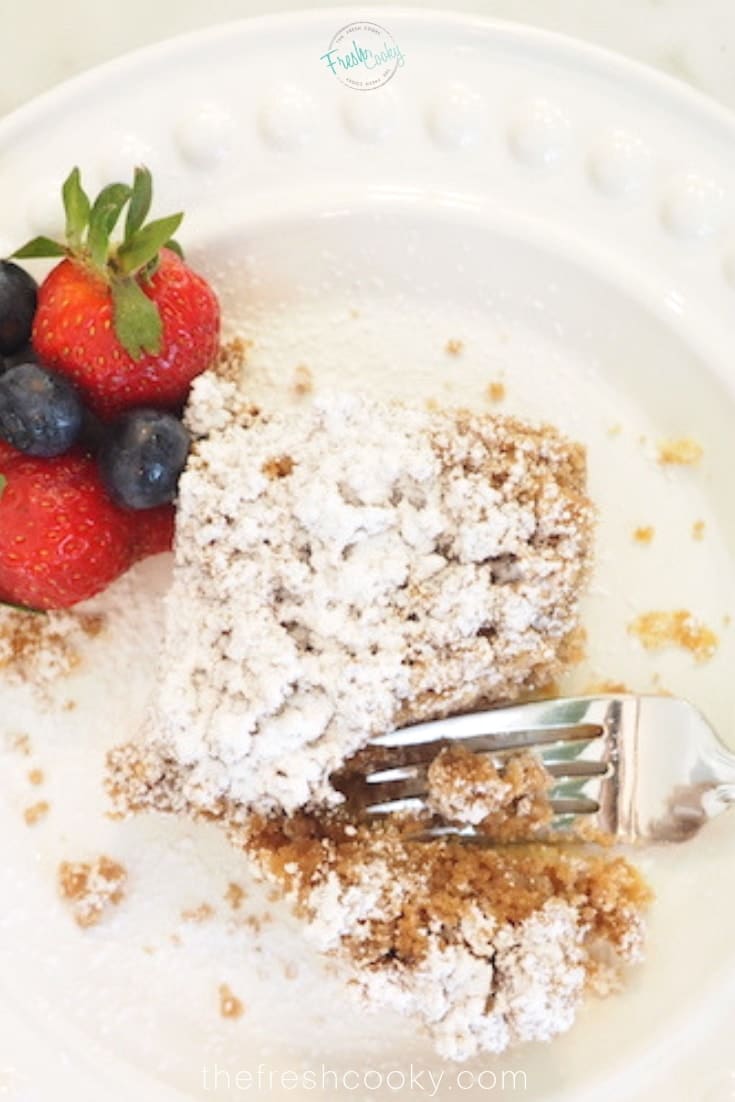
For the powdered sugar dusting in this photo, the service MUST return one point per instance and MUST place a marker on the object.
(343, 567)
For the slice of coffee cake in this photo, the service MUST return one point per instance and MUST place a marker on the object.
(344, 569)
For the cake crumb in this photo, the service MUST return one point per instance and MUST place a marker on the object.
(229, 1004)
(644, 534)
(41, 648)
(92, 887)
(199, 914)
(303, 381)
(279, 466)
(495, 391)
(698, 530)
(432, 405)
(454, 347)
(36, 812)
(36, 777)
(508, 801)
(679, 628)
(680, 452)
(19, 743)
(232, 358)
(234, 895)
(607, 687)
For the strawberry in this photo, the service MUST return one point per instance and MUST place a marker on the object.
(153, 531)
(61, 538)
(130, 323)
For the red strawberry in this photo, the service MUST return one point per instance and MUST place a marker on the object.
(153, 531)
(61, 538)
(131, 324)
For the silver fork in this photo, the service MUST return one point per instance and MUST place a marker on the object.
(641, 768)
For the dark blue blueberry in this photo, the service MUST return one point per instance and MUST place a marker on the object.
(18, 292)
(40, 412)
(143, 457)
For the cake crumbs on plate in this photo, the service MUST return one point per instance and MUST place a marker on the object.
(232, 359)
(698, 528)
(40, 648)
(644, 534)
(203, 913)
(235, 895)
(92, 887)
(679, 628)
(682, 451)
(36, 812)
(18, 742)
(495, 391)
(487, 946)
(454, 347)
(229, 1004)
(303, 381)
(36, 777)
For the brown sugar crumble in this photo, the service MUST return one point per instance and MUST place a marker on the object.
(303, 381)
(92, 887)
(36, 777)
(199, 914)
(495, 391)
(234, 895)
(644, 535)
(678, 628)
(41, 648)
(280, 466)
(508, 801)
(681, 452)
(36, 812)
(698, 530)
(229, 1004)
(19, 743)
(232, 359)
(454, 347)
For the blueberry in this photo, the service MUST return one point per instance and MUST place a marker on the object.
(142, 458)
(40, 412)
(17, 306)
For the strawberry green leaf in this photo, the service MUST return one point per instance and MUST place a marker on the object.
(136, 319)
(39, 247)
(145, 244)
(174, 247)
(103, 218)
(77, 208)
(140, 201)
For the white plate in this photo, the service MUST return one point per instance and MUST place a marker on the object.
(570, 218)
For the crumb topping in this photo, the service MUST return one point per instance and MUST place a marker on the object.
(507, 799)
(698, 528)
(36, 812)
(401, 566)
(199, 914)
(454, 347)
(229, 1004)
(678, 628)
(680, 452)
(303, 381)
(487, 946)
(92, 887)
(234, 895)
(41, 648)
(644, 534)
(496, 391)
